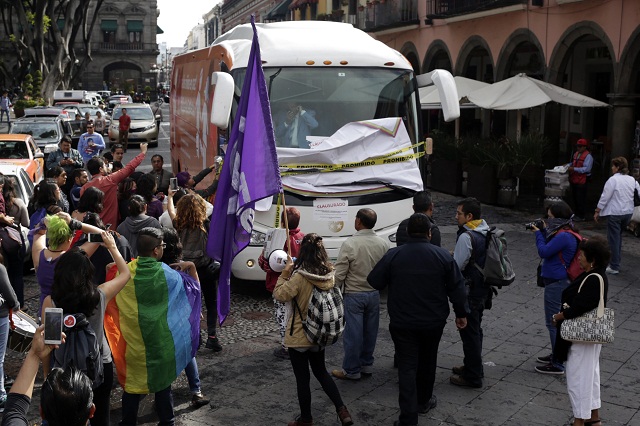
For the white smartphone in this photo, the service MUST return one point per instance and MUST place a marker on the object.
(173, 182)
(95, 238)
(53, 326)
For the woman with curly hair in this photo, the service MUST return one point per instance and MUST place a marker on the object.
(136, 220)
(44, 201)
(91, 201)
(192, 226)
(59, 231)
(311, 269)
(76, 293)
(147, 187)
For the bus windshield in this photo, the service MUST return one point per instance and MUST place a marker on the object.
(319, 101)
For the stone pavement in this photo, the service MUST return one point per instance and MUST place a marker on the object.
(249, 386)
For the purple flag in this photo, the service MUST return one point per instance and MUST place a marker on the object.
(250, 172)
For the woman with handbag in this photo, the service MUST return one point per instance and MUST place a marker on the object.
(616, 202)
(296, 282)
(556, 247)
(583, 359)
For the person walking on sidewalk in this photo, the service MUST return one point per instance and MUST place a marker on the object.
(311, 269)
(470, 251)
(421, 277)
(557, 248)
(5, 107)
(579, 171)
(616, 203)
(357, 257)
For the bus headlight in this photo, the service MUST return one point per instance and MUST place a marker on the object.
(392, 237)
(257, 238)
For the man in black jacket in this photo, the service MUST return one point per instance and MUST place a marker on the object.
(421, 277)
(422, 203)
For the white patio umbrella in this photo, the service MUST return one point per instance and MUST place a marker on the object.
(521, 91)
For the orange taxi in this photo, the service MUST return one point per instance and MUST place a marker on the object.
(22, 151)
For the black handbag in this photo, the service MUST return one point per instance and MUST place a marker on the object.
(539, 279)
(10, 239)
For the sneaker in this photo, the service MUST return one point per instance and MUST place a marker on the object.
(367, 370)
(549, 369)
(459, 369)
(198, 400)
(341, 374)
(425, 408)
(611, 271)
(458, 380)
(281, 353)
(544, 359)
(213, 344)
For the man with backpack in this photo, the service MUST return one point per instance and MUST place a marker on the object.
(421, 277)
(471, 250)
(357, 257)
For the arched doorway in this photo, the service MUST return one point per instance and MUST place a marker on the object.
(123, 76)
(475, 62)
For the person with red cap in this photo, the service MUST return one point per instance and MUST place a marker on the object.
(579, 171)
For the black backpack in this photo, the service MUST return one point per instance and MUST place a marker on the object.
(81, 349)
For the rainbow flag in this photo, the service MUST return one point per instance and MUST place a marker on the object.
(153, 326)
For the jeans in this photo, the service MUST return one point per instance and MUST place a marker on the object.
(102, 398)
(300, 362)
(579, 194)
(616, 224)
(552, 301)
(417, 355)
(4, 336)
(193, 377)
(163, 404)
(471, 337)
(361, 317)
(209, 286)
(8, 114)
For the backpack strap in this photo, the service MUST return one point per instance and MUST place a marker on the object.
(577, 236)
(293, 318)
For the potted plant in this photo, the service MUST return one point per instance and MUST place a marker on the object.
(529, 164)
(482, 180)
(446, 165)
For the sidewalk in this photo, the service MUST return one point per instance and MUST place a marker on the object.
(249, 386)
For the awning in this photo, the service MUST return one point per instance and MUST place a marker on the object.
(159, 30)
(279, 11)
(109, 25)
(134, 26)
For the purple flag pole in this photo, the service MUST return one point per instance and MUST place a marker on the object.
(250, 173)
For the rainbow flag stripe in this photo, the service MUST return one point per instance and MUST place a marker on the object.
(153, 326)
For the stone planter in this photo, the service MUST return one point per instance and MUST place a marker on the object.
(482, 183)
(446, 176)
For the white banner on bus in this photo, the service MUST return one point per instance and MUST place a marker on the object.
(330, 209)
(354, 143)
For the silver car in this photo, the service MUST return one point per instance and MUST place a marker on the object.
(143, 127)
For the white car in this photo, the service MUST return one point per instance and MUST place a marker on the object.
(24, 190)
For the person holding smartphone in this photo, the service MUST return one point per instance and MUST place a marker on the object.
(74, 291)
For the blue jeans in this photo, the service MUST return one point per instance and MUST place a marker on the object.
(552, 301)
(2, 114)
(193, 377)
(362, 318)
(616, 224)
(4, 336)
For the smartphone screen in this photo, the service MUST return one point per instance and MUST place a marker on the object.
(174, 183)
(53, 326)
(94, 238)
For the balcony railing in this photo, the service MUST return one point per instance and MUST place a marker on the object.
(124, 46)
(379, 15)
(442, 9)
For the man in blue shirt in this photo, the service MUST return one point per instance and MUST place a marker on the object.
(90, 143)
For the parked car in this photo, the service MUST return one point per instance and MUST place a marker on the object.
(104, 93)
(143, 124)
(46, 111)
(24, 190)
(46, 131)
(22, 151)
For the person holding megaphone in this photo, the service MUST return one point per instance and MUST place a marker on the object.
(275, 263)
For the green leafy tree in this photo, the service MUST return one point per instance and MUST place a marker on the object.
(43, 35)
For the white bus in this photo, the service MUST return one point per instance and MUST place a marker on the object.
(337, 75)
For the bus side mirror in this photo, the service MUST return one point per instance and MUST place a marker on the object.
(222, 99)
(447, 90)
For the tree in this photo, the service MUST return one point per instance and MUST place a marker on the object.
(44, 33)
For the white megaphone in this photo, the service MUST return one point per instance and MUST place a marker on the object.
(277, 260)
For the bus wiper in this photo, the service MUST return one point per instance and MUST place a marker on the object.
(389, 185)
